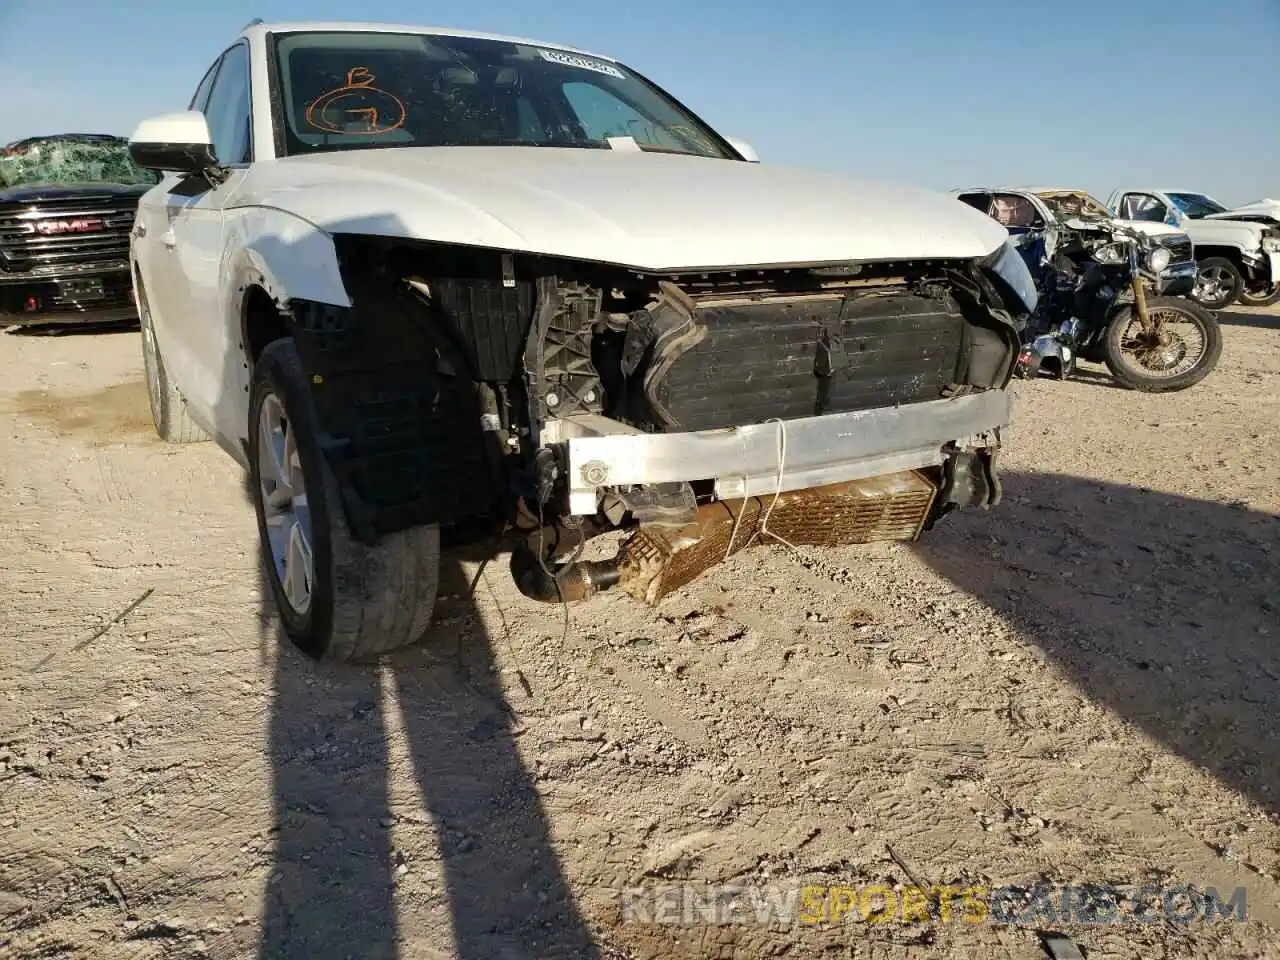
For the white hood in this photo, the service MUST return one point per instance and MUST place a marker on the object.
(1268, 209)
(643, 210)
(1150, 228)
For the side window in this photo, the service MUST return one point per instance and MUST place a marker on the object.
(1143, 206)
(1016, 212)
(603, 115)
(979, 201)
(229, 111)
(202, 92)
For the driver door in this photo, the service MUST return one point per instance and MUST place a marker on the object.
(197, 334)
(1143, 210)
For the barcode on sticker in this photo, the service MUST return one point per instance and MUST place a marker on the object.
(583, 63)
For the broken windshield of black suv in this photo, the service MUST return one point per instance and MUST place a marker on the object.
(71, 160)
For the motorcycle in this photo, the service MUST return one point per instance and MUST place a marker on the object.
(1101, 302)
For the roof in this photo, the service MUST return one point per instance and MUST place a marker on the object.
(344, 26)
(1038, 191)
(1198, 193)
(1044, 190)
(989, 190)
(998, 189)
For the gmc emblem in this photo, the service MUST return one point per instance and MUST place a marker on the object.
(51, 228)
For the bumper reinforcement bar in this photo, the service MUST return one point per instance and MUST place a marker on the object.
(744, 461)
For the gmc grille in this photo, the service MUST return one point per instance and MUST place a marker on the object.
(25, 248)
(1179, 248)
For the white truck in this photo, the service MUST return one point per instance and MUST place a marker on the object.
(430, 286)
(1237, 250)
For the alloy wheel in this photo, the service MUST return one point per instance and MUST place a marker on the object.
(1212, 284)
(283, 490)
(151, 360)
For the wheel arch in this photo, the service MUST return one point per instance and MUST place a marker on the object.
(262, 319)
(278, 257)
(1203, 251)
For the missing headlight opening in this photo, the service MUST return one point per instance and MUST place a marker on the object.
(563, 399)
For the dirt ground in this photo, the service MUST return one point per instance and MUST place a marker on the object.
(1079, 687)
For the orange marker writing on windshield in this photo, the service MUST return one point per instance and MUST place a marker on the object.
(331, 111)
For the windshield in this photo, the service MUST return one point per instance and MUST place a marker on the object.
(1196, 205)
(350, 91)
(1070, 203)
(58, 161)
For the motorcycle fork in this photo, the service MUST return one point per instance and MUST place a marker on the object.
(1140, 302)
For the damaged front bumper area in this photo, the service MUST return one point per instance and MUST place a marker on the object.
(748, 461)
(692, 414)
(1177, 280)
(833, 480)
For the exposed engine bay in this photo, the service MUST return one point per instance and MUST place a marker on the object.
(458, 386)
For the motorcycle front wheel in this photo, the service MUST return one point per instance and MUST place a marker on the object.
(1178, 350)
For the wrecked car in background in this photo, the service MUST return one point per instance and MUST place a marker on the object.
(425, 284)
(1238, 250)
(1036, 219)
(1107, 292)
(67, 203)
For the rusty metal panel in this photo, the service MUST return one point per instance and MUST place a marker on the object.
(657, 560)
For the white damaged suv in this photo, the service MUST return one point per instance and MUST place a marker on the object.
(431, 287)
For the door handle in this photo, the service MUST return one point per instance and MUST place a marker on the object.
(139, 229)
(169, 240)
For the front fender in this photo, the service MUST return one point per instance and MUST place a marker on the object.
(401, 431)
(294, 258)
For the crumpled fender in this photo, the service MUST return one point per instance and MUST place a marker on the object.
(400, 430)
(294, 258)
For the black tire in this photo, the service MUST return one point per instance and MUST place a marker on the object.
(168, 409)
(1131, 375)
(1231, 281)
(1261, 298)
(364, 601)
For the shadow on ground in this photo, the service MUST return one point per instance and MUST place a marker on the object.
(474, 839)
(1163, 608)
(1098, 376)
(1259, 321)
(71, 329)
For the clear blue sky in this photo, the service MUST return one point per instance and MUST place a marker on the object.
(944, 93)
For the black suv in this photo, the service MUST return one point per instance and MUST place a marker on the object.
(67, 205)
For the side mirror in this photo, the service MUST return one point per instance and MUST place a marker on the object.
(174, 143)
(748, 152)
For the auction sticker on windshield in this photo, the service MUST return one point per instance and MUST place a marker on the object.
(584, 63)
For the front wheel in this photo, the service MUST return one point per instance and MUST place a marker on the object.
(1262, 295)
(338, 599)
(1218, 283)
(1179, 348)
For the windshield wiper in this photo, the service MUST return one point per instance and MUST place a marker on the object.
(648, 148)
